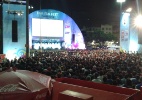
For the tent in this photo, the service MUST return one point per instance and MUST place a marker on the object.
(23, 85)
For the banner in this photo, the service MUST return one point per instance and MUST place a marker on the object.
(125, 31)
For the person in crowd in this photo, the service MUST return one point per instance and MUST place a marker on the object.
(102, 66)
(139, 84)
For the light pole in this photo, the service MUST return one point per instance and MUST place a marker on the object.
(27, 28)
(40, 30)
(121, 1)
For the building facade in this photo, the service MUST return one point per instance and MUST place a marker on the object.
(107, 28)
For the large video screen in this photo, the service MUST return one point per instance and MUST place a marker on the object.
(47, 27)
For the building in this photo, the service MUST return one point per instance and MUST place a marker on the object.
(107, 28)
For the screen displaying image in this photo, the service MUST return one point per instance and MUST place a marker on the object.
(47, 27)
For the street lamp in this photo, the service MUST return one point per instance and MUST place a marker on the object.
(120, 1)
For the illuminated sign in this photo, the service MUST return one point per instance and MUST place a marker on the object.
(48, 14)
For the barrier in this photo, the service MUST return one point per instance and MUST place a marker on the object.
(72, 95)
(133, 93)
(97, 94)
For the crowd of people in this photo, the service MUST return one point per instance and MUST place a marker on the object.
(101, 66)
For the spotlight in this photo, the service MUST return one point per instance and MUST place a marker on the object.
(138, 21)
(15, 12)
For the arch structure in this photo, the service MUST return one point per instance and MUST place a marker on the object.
(53, 29)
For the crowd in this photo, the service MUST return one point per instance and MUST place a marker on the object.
(102, 66)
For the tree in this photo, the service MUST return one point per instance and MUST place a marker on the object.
(98, 36)
(111, 37)
(88, 37)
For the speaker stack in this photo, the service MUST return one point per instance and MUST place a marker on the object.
(14, 31)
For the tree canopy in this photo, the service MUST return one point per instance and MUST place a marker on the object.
(98, 36)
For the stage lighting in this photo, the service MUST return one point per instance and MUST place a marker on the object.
(138, 21)
(15, 12)
(121, 0)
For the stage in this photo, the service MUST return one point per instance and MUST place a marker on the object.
(47, 29)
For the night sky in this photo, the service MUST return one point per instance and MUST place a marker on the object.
(86, 12)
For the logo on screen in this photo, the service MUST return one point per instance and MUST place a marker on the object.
(47, 14)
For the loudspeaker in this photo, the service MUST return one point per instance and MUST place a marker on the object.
(14, 31)
(139, 37)
(73, 38)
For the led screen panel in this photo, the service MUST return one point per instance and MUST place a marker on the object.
(47, 27)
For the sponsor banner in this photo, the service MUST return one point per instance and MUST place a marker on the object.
(125, 31)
